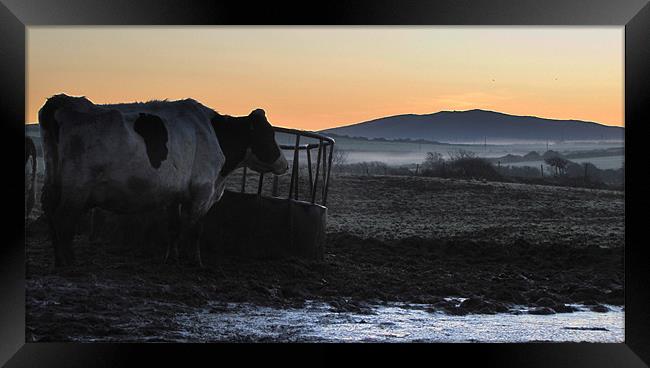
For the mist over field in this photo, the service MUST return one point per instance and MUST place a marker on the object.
(395, 153)
(406, 139)
(603, 154)
(600, 153)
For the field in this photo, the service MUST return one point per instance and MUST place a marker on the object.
(497, 247)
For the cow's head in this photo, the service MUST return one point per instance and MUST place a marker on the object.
(249, 141)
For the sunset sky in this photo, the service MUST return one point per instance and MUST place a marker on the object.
(320, 77)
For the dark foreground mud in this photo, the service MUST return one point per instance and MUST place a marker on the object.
(127, 293)
(117, 292)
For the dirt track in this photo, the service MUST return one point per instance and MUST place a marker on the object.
(389, 239)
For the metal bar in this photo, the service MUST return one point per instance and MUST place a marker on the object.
(302, 147)
(304, 134)
(295, 192)
(243, 181)
(274, 190)
(311, 183)
(313, 190)
(295, 165)
(323, 142)
(329, 169)
(322, 194)
(259, 185)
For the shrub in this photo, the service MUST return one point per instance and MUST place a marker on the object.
(461, 164)
(473, 168)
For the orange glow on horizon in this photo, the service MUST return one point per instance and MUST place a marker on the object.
(315, 78)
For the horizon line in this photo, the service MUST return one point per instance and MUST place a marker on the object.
(344, 125)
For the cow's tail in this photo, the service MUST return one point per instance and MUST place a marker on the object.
(30, 151)
(51, 192)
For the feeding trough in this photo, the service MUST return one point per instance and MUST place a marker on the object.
(285, 216)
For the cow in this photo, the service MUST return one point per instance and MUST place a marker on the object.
(138, 157)
(30, 175)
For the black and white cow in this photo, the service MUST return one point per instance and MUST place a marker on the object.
(131, 158)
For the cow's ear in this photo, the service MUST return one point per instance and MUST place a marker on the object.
(259, 113)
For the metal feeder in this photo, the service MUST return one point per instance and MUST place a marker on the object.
(280, 225)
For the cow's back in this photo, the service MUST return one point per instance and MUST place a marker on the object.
(193, 152)
(105, 161)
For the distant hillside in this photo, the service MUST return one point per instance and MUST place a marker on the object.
(478, 125)
(534, 156)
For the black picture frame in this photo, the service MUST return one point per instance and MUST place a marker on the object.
(16, 15)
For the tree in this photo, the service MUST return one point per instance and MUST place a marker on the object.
(339, 158)
(432, 161)
(461, 154)
(558, 163)
(433, 165)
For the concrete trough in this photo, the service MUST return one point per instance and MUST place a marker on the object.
(254, 226)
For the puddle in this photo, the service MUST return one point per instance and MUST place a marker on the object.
(394, 323)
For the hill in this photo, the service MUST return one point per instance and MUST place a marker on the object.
(477, 126)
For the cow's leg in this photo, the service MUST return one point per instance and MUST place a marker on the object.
(96, 222)
(194, 241)
(59, 259)
(191, 241)
(173, 232)
(203, 200)
(64, 223)
(50, 199)
(192, 231)
(186, 234)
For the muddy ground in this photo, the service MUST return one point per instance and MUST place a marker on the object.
(390, 239)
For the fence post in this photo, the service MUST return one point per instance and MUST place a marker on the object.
(294, 170)
(243, 181)
(260, 184)
(324, 174)
(311, 183)
(329, 172)
(274, 190)
(313, 190)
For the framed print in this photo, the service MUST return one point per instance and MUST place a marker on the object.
(427, 173)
